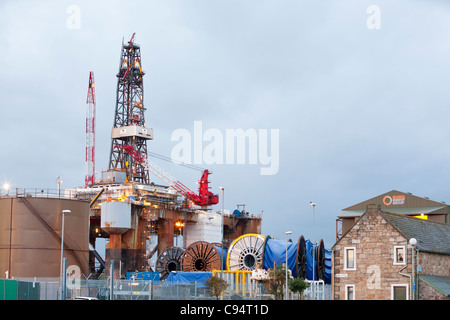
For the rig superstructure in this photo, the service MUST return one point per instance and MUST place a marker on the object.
(142, 218)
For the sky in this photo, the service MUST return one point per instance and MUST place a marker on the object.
(357, 90)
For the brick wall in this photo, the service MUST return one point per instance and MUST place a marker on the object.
(374, 240)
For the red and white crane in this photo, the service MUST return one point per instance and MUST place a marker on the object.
(204, 196)
(90, 132)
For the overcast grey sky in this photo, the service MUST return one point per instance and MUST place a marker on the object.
(360, 111)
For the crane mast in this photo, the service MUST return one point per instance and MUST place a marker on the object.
(90, 132)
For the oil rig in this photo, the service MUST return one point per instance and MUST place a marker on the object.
(139, 220)
(142, 218)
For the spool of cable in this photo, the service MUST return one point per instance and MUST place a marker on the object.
(245, 252)
(200, 256)
(315, 260)
(301, 258)
(169, 260)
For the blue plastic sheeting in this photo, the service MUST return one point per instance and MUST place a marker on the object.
(224, 257)
(185, 277)
(327, 266)
(153, 276)
(237, 213)
(309, 261)
(275, 253)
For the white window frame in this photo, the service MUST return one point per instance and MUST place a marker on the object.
(346, 267)
(404, 255)
(346, 291)
(400, 285)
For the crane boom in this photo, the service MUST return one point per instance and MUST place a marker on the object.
(204, 198)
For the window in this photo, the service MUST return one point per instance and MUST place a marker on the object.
(399, 292)
(349, 259)
(399, 255)
(349, 292)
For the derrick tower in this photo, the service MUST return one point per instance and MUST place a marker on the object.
(129, 122)
(90, 132)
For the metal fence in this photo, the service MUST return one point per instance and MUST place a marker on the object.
(240, 288)
(144, 290)
(38, 193)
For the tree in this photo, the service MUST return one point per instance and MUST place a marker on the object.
(217, 286)
(298, 285)
(277, 280)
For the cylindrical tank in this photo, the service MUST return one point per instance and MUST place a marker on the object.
(116, 217)
(30, 236)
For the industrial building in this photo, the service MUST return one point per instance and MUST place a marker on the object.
(394, 201)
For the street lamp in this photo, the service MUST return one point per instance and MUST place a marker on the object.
(287, 233)
(6, 187)
(223, 203)
(61, 271)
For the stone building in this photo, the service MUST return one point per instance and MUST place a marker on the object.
(374, 258)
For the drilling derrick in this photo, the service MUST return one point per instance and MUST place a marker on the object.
(129, 122)
(90, 132)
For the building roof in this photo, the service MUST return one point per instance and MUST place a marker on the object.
(398, 202)
(440, 283)
(431, 236)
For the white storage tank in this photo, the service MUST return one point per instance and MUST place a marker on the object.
(116, 217)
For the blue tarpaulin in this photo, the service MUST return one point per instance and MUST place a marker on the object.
(309, 261)
(153, 276)
(275, 253)
(185, 277)
(224, 257)
(327, 266)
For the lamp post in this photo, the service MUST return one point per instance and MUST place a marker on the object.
(413, 242)
(61, 271)
(59, 181)
(223, 203)
(287, 233)
(313, 248)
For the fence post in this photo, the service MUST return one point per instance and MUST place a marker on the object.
(111, 281)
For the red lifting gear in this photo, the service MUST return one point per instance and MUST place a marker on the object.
(204, 196)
